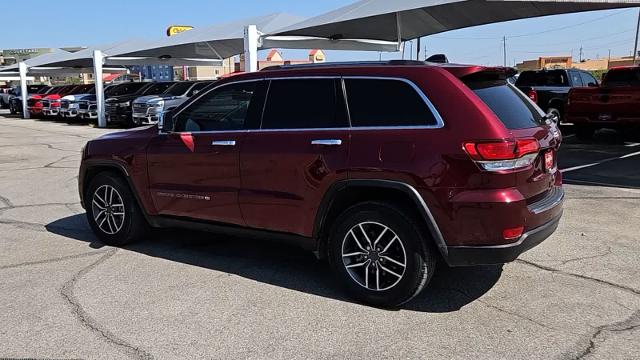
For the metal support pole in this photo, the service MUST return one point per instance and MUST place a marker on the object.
(98, 59)
(635, 44)
(22, 68)
(250, 48)
(504, 50)
(418, 50)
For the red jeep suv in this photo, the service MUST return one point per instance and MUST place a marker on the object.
(382, 168)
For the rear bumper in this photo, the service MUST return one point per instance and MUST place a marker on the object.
(615, 121)
(501, 254)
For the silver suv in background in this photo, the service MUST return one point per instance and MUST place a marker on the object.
(148, 109)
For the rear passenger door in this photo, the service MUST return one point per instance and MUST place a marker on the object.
(301, 148)
(392, 134)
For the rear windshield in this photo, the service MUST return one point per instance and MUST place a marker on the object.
(509, 104)
(543, 78)
(624, 77)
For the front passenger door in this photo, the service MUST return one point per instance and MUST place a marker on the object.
(194, 171)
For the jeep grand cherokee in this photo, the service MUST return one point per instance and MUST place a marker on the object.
(381, 168)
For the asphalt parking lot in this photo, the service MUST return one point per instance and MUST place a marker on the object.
(181, 294)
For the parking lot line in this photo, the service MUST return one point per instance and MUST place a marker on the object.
(580, 167)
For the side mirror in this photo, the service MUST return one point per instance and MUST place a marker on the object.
(165, 122)
(195, 92)
(591, 84)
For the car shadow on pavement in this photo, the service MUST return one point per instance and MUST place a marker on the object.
(283, 265)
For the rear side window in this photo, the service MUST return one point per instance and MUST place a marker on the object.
(543, 78)
(304, 104)
(509, 104)
(382, 103)
(576, 80)
(588, 79)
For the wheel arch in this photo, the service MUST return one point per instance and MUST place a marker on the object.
(346, 193)
(92, 168)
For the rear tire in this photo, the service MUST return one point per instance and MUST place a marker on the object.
(390, 271)
(113, 212)
(584, 133)
(556, 115)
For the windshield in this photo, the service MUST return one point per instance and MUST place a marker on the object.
(514, 109)
(623, 77)
(157, 88)
(543, 78)
(83, 89)
(178, 88)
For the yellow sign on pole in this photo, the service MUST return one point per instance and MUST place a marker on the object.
(177, 29)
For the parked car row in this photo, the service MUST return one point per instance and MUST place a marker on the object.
(127, 104)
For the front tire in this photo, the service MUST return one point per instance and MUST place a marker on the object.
(113, 212)
(380, 254)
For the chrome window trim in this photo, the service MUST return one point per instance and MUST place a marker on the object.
(439, 121)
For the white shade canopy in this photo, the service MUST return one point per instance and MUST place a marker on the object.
(401, 20)
(217, 41)
(112, 52)
(37, 61)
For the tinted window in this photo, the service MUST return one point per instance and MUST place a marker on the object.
(576, 80)
(511, 106)
(197, 87)
(386, 103)
(623, 77)
(225, 108)
(178, 88)
(543, 78)
(157, 88)
(128, 88)
(304, 104)
(588, 79)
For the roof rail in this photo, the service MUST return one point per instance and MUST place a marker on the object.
(347, 63)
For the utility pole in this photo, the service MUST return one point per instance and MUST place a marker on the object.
(580, 53)
(635, 44)
(504, 50)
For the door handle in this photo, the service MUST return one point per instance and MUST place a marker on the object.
(224, 143)
(328, 142)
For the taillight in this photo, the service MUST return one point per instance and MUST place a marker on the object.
(533, 95)
(503, 155)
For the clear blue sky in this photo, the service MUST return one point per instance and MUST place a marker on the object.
(40, 23)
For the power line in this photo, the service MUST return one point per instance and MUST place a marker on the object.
(533, 33)
(570, 26)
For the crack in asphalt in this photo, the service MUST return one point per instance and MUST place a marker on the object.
(48, 261)
(629, 324)
(607, 252)
(583, 277)
(87, 321)
(7, 203)
(497, 308)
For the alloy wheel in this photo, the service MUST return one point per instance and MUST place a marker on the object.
(374, 256)
(108, 209)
